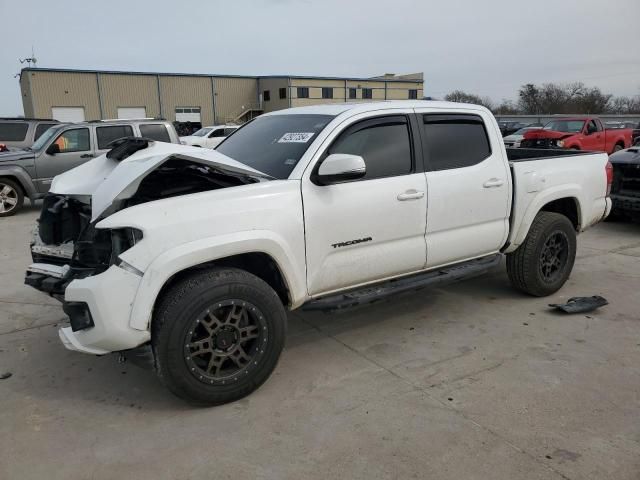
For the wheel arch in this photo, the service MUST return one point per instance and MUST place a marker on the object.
(21, 178)
(266, 258)
(564, 200)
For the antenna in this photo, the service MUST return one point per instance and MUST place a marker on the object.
(29, 60)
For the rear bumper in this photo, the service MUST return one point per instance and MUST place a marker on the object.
(624, 203)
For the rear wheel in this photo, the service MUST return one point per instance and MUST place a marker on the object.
(11, 197)
(617, 147)
(217, 336)
(542, 264)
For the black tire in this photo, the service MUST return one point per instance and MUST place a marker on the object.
(186, 311)
(532, 268)
(11, 197)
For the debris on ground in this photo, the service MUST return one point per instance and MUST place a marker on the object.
(581, 304)
(5, 375)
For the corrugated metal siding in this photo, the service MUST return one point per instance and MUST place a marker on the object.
(234, 96)
(62, 89)
(128, 91)
(27, 104)
(274, 85)
(183, 91)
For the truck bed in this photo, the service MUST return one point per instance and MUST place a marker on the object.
(529, 154)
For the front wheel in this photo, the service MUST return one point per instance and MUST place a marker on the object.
(217, 336)
(542, 264)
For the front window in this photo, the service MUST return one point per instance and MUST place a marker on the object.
(45, 137)
(274, 144)
(76, 140)
(202, 132)
(567, 126)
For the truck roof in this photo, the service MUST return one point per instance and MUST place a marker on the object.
(360, 107)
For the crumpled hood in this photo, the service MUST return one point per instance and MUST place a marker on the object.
(15, 155)
(106, 180)
(546, 134)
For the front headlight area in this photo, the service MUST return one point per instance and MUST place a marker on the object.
(99, 248)
(560, 143)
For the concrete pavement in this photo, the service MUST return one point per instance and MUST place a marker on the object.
(471, 381)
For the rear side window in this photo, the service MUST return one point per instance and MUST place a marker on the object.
(155, 131)
(229, 131)
(13, 132)
(217, 133)
(454, 141)
(41, 128)
(106, 135)
(384, 144)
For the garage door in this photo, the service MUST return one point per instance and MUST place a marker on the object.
(188, 114)
(132, 112)
(68, 114)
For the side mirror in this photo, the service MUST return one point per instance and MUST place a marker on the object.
(53, 149)
(340, 167)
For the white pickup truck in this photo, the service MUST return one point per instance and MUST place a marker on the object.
(196, 255)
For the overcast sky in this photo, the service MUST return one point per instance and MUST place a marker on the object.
(487, 47)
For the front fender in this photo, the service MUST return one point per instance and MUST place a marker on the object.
(205, 250)
(22, 176)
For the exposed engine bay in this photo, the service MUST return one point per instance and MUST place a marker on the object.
(67, 244)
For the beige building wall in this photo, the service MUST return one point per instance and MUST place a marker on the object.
(315, 91)
(128, 91)
(183, 91)
(233, 96)
(63, 89)
(273, 85)
(400, 90)
(25, 93)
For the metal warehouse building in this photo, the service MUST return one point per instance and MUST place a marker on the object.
(77, 95)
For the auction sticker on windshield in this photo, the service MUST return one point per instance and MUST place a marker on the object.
(296, 137)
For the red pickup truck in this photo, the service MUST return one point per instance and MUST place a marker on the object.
(578, 133)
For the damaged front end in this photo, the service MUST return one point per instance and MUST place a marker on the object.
(69, 246)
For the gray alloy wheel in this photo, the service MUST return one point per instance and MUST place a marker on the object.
(10, 198)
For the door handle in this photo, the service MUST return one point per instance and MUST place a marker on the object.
(410, 195)
(493, 183)
(86, 155)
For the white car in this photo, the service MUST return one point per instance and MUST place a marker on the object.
(513, 140)
(209, 137)
(196, 255)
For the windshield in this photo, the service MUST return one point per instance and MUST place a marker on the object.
(45, 137)
(202, 132)
(274, 144)
(568, 126)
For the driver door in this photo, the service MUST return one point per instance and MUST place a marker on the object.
(75, 148)
(373, 228)
(593, 138)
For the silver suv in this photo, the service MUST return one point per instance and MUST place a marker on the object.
(22, 132)
(29, 172)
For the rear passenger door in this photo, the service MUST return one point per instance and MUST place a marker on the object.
(468, 187)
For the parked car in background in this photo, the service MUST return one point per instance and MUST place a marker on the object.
(196, 255)
(29, 171)
(578, 133)
(513, 140)
(508, 127)
(625, 189)
(209, 137)
(23, 132)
